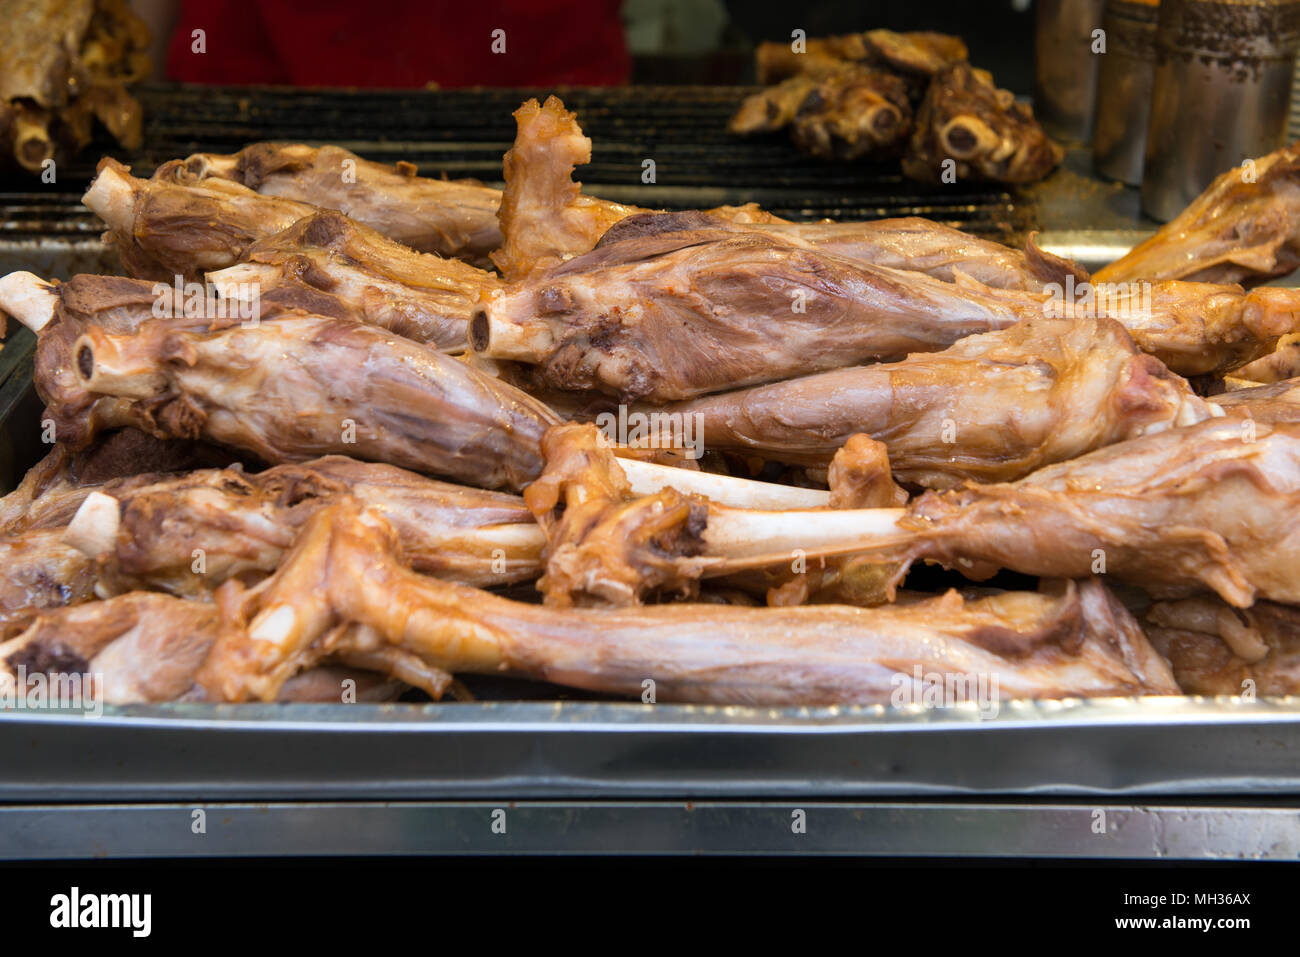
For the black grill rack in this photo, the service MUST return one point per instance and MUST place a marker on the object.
(463, 133)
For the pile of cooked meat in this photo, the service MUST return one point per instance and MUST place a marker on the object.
(63, 66)
(883, 95)
(311, 438)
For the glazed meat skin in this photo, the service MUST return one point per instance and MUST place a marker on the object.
(1243, 228)
(453, 218)
(992, 407)
(342, 584)
(300, 386)
(677, 315)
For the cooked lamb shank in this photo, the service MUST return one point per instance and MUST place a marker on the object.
(545, 217)
(172, 226)
(282, 390)
(991, 407)
(853, 113)
(343, 588)
(453, 218)
(1244, 228)
(327, 263)
(681, 314)
(981, 129)
(63, 65)
(1211, 506)
(147, 536)
(909, 242)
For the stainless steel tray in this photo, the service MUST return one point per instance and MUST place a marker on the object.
(507, 750)
(1022, 830)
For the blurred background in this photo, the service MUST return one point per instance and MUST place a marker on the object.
(548, 42)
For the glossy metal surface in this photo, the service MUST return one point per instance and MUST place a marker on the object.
(1065, 67)
(1124, 90)
(521, 750)
(1097, 831)
(1221, 94)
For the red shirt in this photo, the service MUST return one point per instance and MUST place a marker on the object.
(400, 43)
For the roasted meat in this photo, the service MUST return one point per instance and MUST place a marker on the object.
(910, 242)
(992, 407)
(1208, 507)
(453, 218)
(603, 543)
(669, 315)
(188, 534)
(1216, 649)
(172, 226)
(922, 53)
(286, 389)
(343, 588)
(853, 113)
(774, 108)
(1244, 228)
(545, 217)
(968, 128)
(63, 64)
(144, 647)
(327, 258)
(680, 314)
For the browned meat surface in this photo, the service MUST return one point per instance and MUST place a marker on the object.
(1275, 402)
(173, 225)
(1282, 363)
(545, 218)
(681, 314)
(992, 407)
(853, 113)
(327, 257)
(984, 132)
(774, 108)
(1201, 327)
(343, 586)
(860, 476)
(604, 545)
(1210, 507)
(1244, 228)
(145, 648)
(452, 218)
(910, 242)
(63, 64)
(148, 536)
(293, 388)
(38, 571)
(775, 62)
(922, 53)
(1216, 649)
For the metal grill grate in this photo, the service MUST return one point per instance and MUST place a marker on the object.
(464, 133)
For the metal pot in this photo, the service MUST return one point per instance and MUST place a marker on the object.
(1221, 93)
(1124, 81)
(1065, 68)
